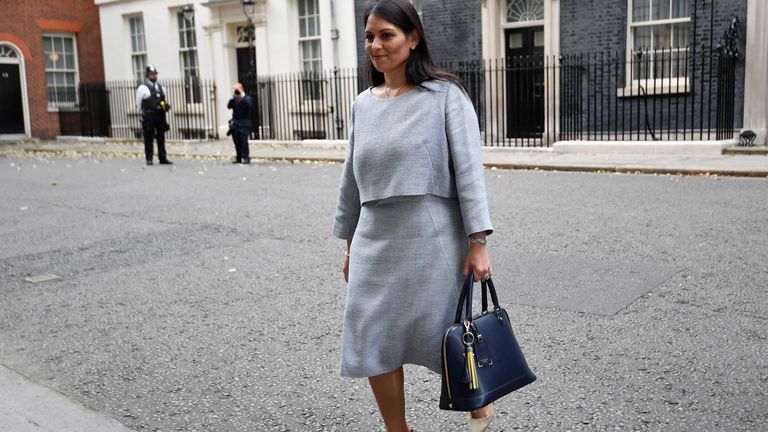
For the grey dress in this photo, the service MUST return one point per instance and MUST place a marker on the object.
(411, 192)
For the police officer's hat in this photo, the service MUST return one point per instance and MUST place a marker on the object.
(150, 69)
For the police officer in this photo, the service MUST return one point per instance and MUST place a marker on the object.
(240, 126)
(150, 101)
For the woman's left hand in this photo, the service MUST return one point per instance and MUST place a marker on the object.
(479, 261)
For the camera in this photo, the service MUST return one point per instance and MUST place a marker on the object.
(231, 127)
(237, 92)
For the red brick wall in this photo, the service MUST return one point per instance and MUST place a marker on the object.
(26, 21)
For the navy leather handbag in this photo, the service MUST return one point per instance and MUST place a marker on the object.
(482, 360)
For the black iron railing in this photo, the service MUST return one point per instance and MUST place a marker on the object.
(109, 110)
(304, 105)
(661, 95)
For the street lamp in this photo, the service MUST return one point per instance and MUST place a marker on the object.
(249, 7)
(189, 12)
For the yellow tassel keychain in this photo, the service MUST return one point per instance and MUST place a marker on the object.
(472, 369)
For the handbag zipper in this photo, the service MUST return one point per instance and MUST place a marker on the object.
(445, 366)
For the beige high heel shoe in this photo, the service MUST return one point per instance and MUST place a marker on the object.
(481, 424)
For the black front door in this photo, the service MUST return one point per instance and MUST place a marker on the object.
(248, 80)
(524, 51)
(11, 108)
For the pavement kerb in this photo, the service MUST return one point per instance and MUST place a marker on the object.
(543, 166)
(627, 169)
(180, 156)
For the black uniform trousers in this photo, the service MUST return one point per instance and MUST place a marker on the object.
(240, 137)
(154, 127)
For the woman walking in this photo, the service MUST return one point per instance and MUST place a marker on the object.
(412, 208)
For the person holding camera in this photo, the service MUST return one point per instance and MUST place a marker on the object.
(150, 101)
(240, 125)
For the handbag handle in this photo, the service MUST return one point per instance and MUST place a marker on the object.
(466, 293)
(465, 298)
(488, 286)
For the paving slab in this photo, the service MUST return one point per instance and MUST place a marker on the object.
(28, 407)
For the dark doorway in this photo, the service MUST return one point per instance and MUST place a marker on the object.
(250, 85)
(12, 108)
(524, 52)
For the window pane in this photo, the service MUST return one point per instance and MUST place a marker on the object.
(311, 7)
(679, 8)
(538, 39)
(70, 79)
(662, 36)
(660, 9)
(47, 44)
(49, 78)
(515, 40)
(680, 34)
(311, 29)
(48, 62)
(68, 46)
(642, 38)
(53, 60)
(302, 27)
(57, 45)
(69, 61)
(641, 10)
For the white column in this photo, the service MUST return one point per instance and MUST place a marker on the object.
(756, 59)
(551, 54)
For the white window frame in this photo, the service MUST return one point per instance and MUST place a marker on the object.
(139, 55)
(184, 26)
(54, 106)
(651, 86)
(313, 40)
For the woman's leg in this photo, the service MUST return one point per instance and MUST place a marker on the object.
(481, 412)
(389, 391)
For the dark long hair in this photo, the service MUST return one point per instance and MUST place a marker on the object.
(420, 66)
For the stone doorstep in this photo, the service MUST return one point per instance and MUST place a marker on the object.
(748, 151)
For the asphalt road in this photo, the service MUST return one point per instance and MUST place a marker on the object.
(208, 297)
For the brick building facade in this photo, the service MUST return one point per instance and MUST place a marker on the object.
(452, 27)
(46, 50)
(585, 75)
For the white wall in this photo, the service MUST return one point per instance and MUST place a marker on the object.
(276, 25)
(161, 34)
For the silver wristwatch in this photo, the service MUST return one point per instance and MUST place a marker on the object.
(481, 241)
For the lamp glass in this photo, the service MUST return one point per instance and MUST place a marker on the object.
(188, 11)
(249, 7)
